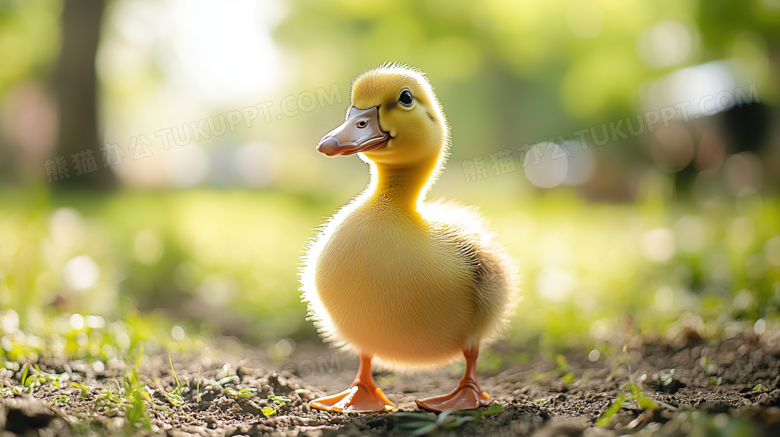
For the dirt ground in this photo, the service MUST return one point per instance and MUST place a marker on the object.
(723, 388)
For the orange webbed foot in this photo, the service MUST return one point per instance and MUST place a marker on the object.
(363, 396)
(467, 396)
(357, 399)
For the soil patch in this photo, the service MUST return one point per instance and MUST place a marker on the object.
(666, 389)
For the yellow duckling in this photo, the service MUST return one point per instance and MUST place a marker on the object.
(407, 283)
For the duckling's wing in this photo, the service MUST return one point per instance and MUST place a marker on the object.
(495, 273)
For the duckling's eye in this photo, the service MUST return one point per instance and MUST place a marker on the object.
(361, 124)
(406, 98)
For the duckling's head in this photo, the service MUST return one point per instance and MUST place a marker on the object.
(395, 120)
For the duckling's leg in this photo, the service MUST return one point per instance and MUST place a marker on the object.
(467, 396)
(363, 396)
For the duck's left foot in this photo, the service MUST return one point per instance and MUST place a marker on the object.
(467, 396)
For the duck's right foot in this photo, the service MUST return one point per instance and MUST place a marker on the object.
(359, 398)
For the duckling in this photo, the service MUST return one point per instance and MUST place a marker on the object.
(402, 282)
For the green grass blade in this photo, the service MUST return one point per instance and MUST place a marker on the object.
(611, 411)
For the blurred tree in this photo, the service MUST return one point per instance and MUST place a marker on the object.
(76, 84)
(29, 46)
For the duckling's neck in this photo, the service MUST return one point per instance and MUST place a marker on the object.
(401, 187)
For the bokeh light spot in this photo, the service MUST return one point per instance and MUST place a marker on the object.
(658, 244)
(759, 327)
(81, 272)
(76, 321)
(555, 283)
(65, 225)
(664, 44)
(177, 333)
(546, 165)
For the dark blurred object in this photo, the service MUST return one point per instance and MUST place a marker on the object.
(746, 127)
(670, 386)
(740, 130)
(76, 85)
(25, 414)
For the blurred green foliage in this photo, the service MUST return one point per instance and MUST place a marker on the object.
(510, 72)
(227, 261)
(29, 40)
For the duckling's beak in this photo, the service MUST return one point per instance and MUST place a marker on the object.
(359, 133)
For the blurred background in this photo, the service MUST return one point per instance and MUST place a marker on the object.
(158, 169)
